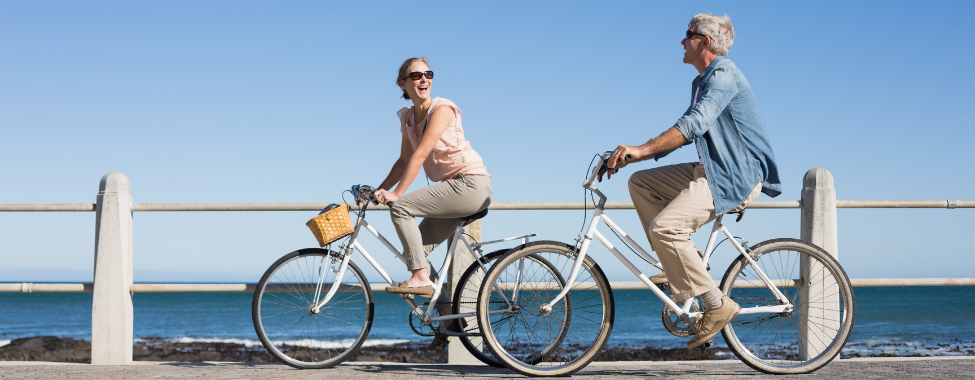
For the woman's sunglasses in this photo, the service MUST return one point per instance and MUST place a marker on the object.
(416, 75)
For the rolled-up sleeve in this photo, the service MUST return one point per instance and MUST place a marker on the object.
(720, 88)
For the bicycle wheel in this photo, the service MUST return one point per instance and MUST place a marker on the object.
(465, 301)
(537, 341)
(800, 340)
(283, 310)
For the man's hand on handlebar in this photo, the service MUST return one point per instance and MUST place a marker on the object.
(621, 156)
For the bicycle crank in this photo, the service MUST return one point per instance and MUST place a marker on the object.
(420, 327)
(674, 325)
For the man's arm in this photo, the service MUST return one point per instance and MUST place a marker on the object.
(624, 154)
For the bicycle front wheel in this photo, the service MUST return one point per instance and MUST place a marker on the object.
(289, 325)
(798, 340)
(532, 337)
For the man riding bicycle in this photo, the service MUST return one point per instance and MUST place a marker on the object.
(735, 163)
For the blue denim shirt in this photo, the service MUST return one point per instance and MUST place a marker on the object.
(735, 147)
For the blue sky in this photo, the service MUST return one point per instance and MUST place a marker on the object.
(219, 102)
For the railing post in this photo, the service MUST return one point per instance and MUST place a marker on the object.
(111, 312)
(456, 353)
(819, 228)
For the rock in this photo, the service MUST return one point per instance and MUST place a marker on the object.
(47, 348)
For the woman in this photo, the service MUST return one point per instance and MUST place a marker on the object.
(434, 139)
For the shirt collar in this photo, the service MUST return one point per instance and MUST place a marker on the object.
(714, 64)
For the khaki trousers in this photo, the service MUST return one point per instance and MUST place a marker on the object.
(674, 201)
(441, 205)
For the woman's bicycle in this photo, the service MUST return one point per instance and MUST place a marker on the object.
(797, 302)
(313, 308)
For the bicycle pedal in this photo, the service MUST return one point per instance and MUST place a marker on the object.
(707, 345)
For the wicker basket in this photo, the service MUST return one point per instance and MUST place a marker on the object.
(331, 225)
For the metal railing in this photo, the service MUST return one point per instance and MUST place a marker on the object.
(112, 310)
(521, 206)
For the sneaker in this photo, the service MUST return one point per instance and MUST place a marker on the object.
(713, 321)
(659, 279)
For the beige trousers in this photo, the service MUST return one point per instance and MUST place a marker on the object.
(441, 205)
(674, 201)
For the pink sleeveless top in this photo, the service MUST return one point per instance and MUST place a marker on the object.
(451, 155)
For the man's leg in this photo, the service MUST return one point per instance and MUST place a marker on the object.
(652, 189)
(670, 234)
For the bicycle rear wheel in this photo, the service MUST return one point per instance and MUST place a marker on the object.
(537, 341)
(465, 301)
(800, 340)
(283, 314)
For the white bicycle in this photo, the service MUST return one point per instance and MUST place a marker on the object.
(797, 302)
(313, 308)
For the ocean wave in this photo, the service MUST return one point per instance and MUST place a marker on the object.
(4, 342)
(256, 343)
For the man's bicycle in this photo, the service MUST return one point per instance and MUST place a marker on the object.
(797, 302)
(313, 307)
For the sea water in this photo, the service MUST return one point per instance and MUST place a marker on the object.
(889, 320)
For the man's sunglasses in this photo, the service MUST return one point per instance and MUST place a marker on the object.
(416, 75)
(689, 34)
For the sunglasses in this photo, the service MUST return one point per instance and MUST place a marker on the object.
(689, 34)
(416, 75)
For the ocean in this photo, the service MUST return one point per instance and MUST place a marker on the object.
(901, 321)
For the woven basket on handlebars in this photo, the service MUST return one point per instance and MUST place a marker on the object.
(331, 225)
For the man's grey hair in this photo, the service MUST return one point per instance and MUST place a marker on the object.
(719, 28)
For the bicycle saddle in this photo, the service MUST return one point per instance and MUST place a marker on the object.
(470, 219)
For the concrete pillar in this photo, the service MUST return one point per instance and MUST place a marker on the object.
(456, 352)
(111, 312)
(819, 228)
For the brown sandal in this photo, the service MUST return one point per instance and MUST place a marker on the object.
(402, 288)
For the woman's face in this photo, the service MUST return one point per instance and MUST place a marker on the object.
(418, 89)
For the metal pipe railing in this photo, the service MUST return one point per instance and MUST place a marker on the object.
(112, 337)
(28, 287)
(524, 206)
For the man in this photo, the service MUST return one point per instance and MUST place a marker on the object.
(735, 163)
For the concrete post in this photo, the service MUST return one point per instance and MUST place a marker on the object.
(111, 312)
(819, 228)
(456, 352)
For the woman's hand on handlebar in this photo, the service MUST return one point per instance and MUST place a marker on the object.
(384, 197)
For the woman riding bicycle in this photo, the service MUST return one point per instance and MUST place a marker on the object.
(434, 139)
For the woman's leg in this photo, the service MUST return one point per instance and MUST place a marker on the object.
(442, 205)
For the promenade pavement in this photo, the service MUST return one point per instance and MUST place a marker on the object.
(859, 369)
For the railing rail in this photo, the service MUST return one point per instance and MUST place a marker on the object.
(28, 287)
(523, 206)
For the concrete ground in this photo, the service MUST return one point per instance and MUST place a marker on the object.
(859, 369)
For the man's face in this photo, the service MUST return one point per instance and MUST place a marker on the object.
(693, 45)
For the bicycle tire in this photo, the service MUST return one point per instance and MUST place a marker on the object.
(283, 317)
(780, 343)
(465, 301)
(529, 343)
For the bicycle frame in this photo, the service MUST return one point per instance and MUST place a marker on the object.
(426, 316)
(684, 312)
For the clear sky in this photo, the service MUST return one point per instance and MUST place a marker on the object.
(231, 101)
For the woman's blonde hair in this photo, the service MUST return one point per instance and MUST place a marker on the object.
(404, 69)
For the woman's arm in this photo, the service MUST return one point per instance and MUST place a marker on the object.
(441, 118)
(405, 151)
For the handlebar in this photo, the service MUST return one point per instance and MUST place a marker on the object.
(364, 193)
(602, 163)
